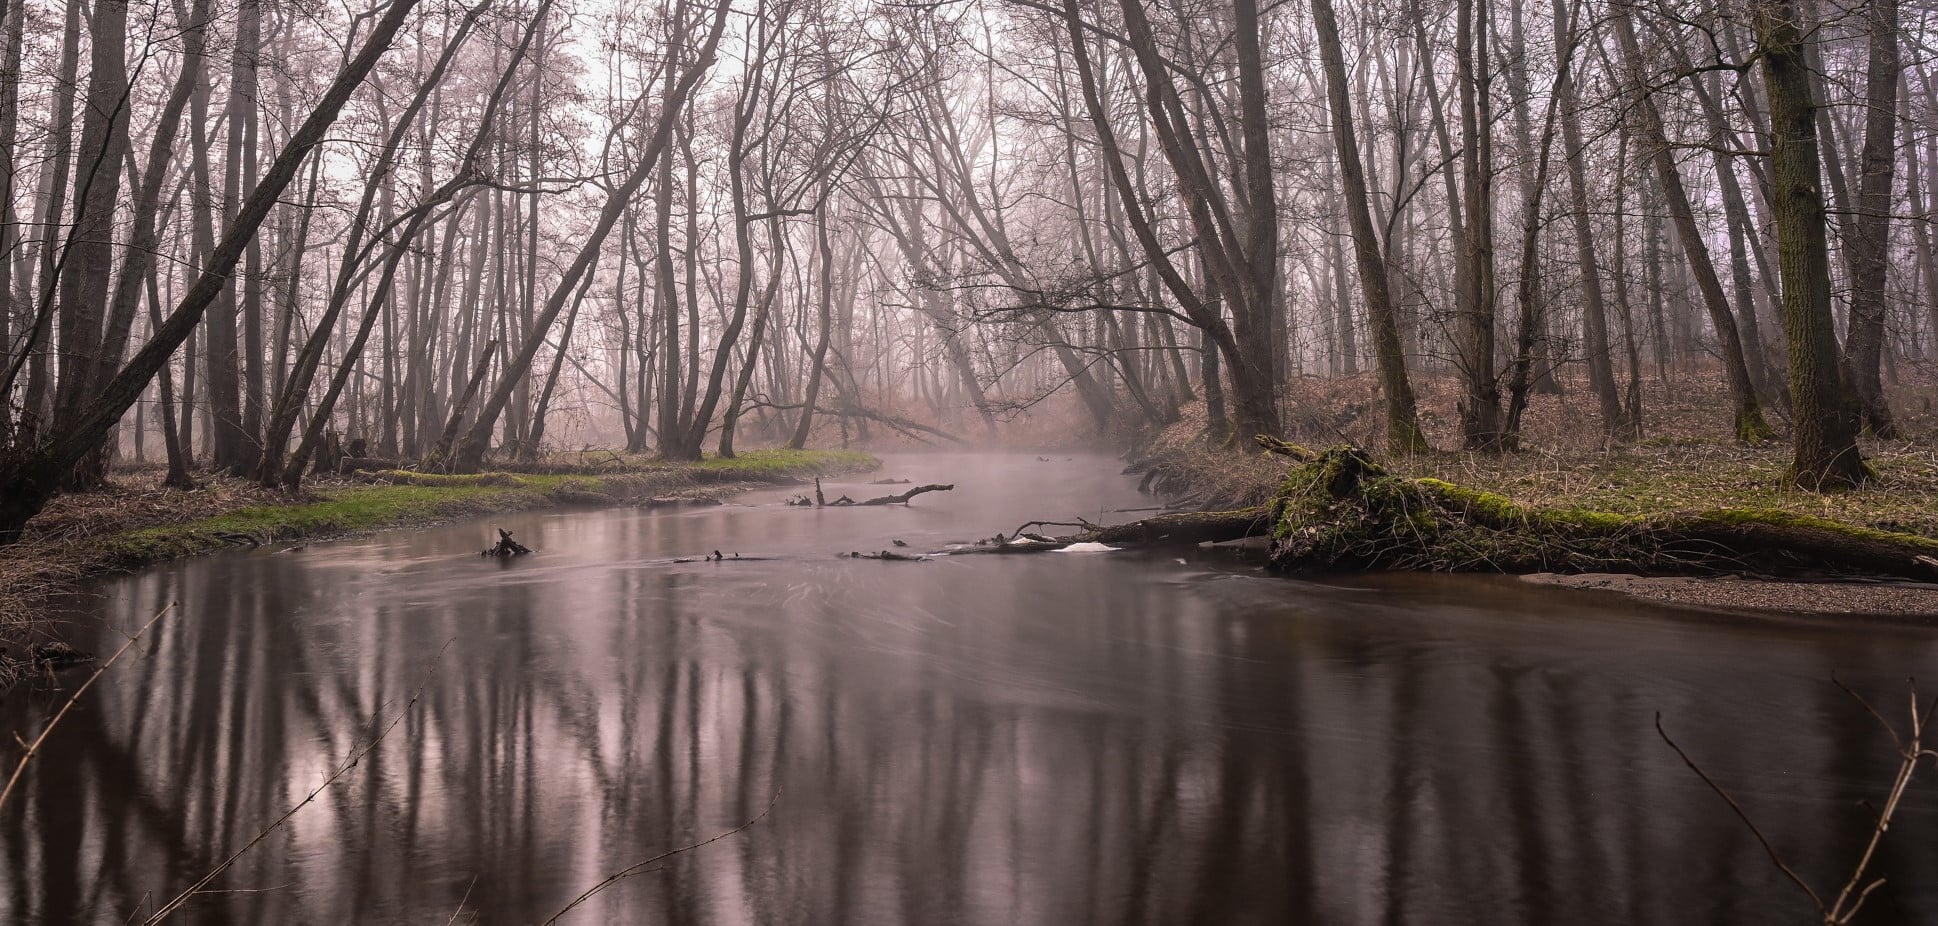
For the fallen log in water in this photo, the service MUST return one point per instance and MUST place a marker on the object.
(903, 498)
(821, 501)
(1341, 511)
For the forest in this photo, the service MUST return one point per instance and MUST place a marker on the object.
(250, 240)
(1606, 295)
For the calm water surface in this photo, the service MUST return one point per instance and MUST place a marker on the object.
(1059, 738)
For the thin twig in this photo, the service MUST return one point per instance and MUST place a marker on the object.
(355, 759)
(1886, 724)
(467, 895)
(1740, 814)
(1907, 766)
(641, 867)
(21, 768)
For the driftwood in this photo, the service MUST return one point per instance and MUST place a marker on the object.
(1183, 529)
(889, 556)
(821, 500)
(719, 557)
(506, 546)
(903, 498)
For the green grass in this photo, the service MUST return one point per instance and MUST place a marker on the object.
(409, 498)
(1688, 477)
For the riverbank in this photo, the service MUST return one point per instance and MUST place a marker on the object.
(137, 522)
(1685, 507)
(1739, 595)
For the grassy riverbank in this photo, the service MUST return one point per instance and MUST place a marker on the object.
(1672, 471)
(137, 522)
(1677, 504)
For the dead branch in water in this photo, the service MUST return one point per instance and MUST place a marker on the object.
(903, 498)
(821, 500)
(34, 747)
(1850, 898)
(663, 856)
(506, 546)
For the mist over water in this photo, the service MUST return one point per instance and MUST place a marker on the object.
(1055, 738)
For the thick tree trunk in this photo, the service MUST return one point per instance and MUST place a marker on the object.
(1826, 453)
(1481, 427)
(88, 264)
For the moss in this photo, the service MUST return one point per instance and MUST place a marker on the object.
(780, 465)
(1772, 517)
(1752, 429)
(1343, 511)
(403, 497)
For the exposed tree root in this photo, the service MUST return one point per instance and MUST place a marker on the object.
(506, 546)
(1343, 511)
(1340, 511)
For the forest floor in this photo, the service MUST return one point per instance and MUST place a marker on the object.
(137, 522)
(1683, 463)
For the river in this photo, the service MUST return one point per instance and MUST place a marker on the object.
(1053, 738)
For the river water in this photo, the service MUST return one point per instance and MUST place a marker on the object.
(1055, 738)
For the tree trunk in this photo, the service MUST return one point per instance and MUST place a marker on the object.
(1403, 434)
(469, 454)
(1870, 240)
(29, 480)
(1594, 311)
(1826, 453)
(1481, 427)
(87, 267)
(1750, 426)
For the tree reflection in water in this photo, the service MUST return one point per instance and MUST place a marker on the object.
(1054, 739)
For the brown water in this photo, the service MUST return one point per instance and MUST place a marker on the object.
(1059, 738)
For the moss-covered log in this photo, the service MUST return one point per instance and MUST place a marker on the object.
(1342, 511)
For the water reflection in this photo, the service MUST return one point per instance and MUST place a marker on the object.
(1050, 739)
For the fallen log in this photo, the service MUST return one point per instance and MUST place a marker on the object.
(1182, 529)
(1342, 511)
(887, 556)
(903, 498)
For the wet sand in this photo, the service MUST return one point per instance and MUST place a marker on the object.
(1897, 599)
